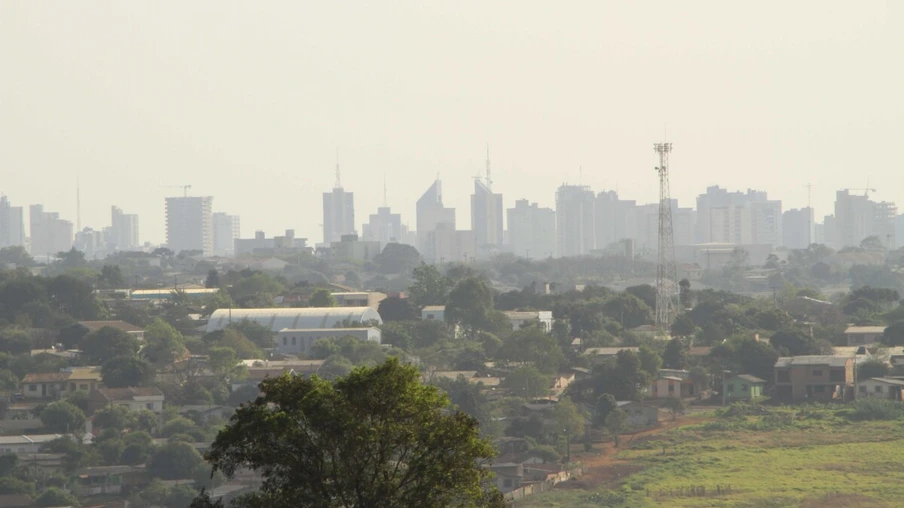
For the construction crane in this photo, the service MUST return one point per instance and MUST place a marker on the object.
(183, 187)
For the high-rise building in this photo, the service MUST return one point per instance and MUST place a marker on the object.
(384, 227)
(575, 225)
(226, 230)
(798, 228)
(486, 220)
(430, 214)
(857, 217)
(338, 214)
(12, 224)
(899, 228)
(123, 230)
(189, 224)
(738, 217)
(90, 242)
(49, 233)
(448, 244)
(532, 230)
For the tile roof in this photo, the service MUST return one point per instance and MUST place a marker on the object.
(46, 377)
(831, 361)
(752, 379)
(129, 393)
(609, 351)
(119, 325)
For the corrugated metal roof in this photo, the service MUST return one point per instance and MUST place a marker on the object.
(278, 319)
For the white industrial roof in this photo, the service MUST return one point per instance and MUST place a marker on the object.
(278, 319)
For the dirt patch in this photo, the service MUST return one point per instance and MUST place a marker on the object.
(844, 501)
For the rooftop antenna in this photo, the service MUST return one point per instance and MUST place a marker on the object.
(338, 184)
(489, 178)
(78, 204)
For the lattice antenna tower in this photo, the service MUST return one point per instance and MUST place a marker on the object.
(666, 272)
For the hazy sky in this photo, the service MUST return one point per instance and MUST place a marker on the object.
(248, 101)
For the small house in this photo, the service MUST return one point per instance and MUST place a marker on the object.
(639, 414)
(135, 398)
(434, 312)
(813, 378)
(742, 387)
(518, 319)
(863, 335)
(880, 387)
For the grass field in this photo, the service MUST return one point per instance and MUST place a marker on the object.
(791, 457)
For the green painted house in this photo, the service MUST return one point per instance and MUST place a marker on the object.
(742, 387)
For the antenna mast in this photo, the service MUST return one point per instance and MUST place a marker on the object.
(666, 272)
(338, 184)
(489, 178)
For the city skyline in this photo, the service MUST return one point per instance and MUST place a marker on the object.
(149, 98)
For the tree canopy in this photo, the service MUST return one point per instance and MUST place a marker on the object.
(376, 438)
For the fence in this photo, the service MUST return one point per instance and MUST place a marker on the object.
(536, 488)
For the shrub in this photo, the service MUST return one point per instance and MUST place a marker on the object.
(876, 409)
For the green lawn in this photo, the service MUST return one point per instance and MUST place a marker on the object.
(791, 457)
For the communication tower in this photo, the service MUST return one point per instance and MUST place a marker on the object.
(666, 273)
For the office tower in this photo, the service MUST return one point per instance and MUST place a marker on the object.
(226, 230)
(829, 234)
(857, 217)
(738, 217)
(384, 227)
(12, 224)
(49, 234)
(90, 242)
(338, 211)
(899, 229)
(647, 237)
(532, 230)
(486, 219)
(798, 228)
(575, 226)
(189, 224)
(684, 221)
(431, 213)
(448, 244)
(123, 230)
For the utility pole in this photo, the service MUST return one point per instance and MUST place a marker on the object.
(666, 272)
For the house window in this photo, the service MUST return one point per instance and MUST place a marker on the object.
(878, 389)
(836, 375)
(817, 373)
(32, 388)
(149, 405)
(730, 387)
(819, 389)
(784, 376)
(862, 389)
(671, 388)
(743, 388)
(83, 387)
(294, 341)
(285, 341)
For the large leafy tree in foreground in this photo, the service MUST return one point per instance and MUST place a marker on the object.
(376, 438)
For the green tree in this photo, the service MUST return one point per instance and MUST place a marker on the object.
(469, 305)
(683, 326)
(675, 355)
(341, 444)
(894, 335)
(790, 342)
(111, 277)
(430, 287)
(535, 346)
(675, 406)
(628, 310)
(118, 418)
(163, 344)
(650, 361)
(470, 398)
(14, 341)
(107, 343)
(605, 404)
(872, 368)
(56, 497)
(527, 382)
(224, 364)
(394, 308)
(62, 417)
(73, 297)
(645, 292)
(616, 423)
(11, 485)
(322, 298)
(16, 255)
(397, 258)
(213, 279)
(175, 461)
(126, 371)
(262, 336)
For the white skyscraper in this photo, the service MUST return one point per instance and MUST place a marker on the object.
(430, 214)
(532, 230)
(49, 233)
(189, 224)
(798, 228)
(486, 220)
(575, 221)
(12, 224)
(226, 229)
(123, 230)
